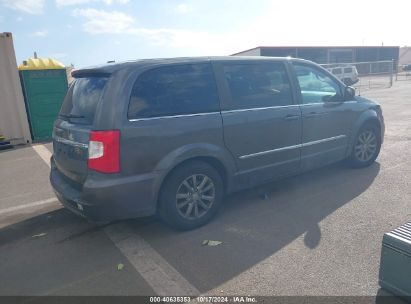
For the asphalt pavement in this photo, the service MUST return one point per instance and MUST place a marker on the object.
(315, 234)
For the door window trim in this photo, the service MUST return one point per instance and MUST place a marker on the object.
(258, 109)
(173, 116)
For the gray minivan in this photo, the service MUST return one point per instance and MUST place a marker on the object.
(172, 136)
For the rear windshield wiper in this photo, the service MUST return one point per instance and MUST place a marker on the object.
(72, 116)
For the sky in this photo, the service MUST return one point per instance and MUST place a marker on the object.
(89, 32)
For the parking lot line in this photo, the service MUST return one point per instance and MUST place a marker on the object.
(50, 201)
(43, 152)
(163, 278)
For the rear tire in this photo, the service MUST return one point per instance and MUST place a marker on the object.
(191, 196)
(366, 146)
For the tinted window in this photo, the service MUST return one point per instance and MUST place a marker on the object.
(316, 86)
(174, 90)
(258, 85)
(82, 99)
(337, 71)
(347, 70)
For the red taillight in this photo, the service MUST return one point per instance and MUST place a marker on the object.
(104, 151)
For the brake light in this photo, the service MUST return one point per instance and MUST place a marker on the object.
(104, 151)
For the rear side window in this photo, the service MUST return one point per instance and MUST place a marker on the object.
(82, 98)
(258, 85)
(174, 90)
(347, 70)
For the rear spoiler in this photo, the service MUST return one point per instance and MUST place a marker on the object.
(104, 70)
(93, 72)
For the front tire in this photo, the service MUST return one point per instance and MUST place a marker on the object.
(191, 196)
(366, 146)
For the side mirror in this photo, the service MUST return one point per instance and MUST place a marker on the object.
(349, 93)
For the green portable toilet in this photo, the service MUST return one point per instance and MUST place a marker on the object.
(44, 83)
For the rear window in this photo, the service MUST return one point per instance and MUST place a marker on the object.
(174, 90)
(82, 99)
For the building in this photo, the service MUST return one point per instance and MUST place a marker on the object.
(405, 56)
(329, 54)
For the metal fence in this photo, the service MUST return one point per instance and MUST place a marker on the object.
(403, 76)
(403, 72)
(371, 75)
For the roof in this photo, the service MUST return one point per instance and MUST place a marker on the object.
(319, 47)
(41, 64)
(109, 68)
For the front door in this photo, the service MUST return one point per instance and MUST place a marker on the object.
(326, 117)
(262, 124)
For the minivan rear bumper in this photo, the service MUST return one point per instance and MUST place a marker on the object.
(107, 198)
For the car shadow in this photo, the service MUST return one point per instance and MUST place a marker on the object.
(257, 223)
(385, 297)
(253, 224)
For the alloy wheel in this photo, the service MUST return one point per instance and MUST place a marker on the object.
(366, 146)
(195, 196)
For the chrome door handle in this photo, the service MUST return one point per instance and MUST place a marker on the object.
(312, 114)
(291, 117)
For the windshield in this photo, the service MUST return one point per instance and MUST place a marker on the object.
(82, 99)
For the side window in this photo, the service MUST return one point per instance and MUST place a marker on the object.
(258, 85)
(174, 90)
(336, 71)
(316, 86)
(347, 70)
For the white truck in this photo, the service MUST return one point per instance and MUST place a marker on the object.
(347, 74)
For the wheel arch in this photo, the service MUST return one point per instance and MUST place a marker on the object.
(211, 161)
(217, 158)
(368, 117)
